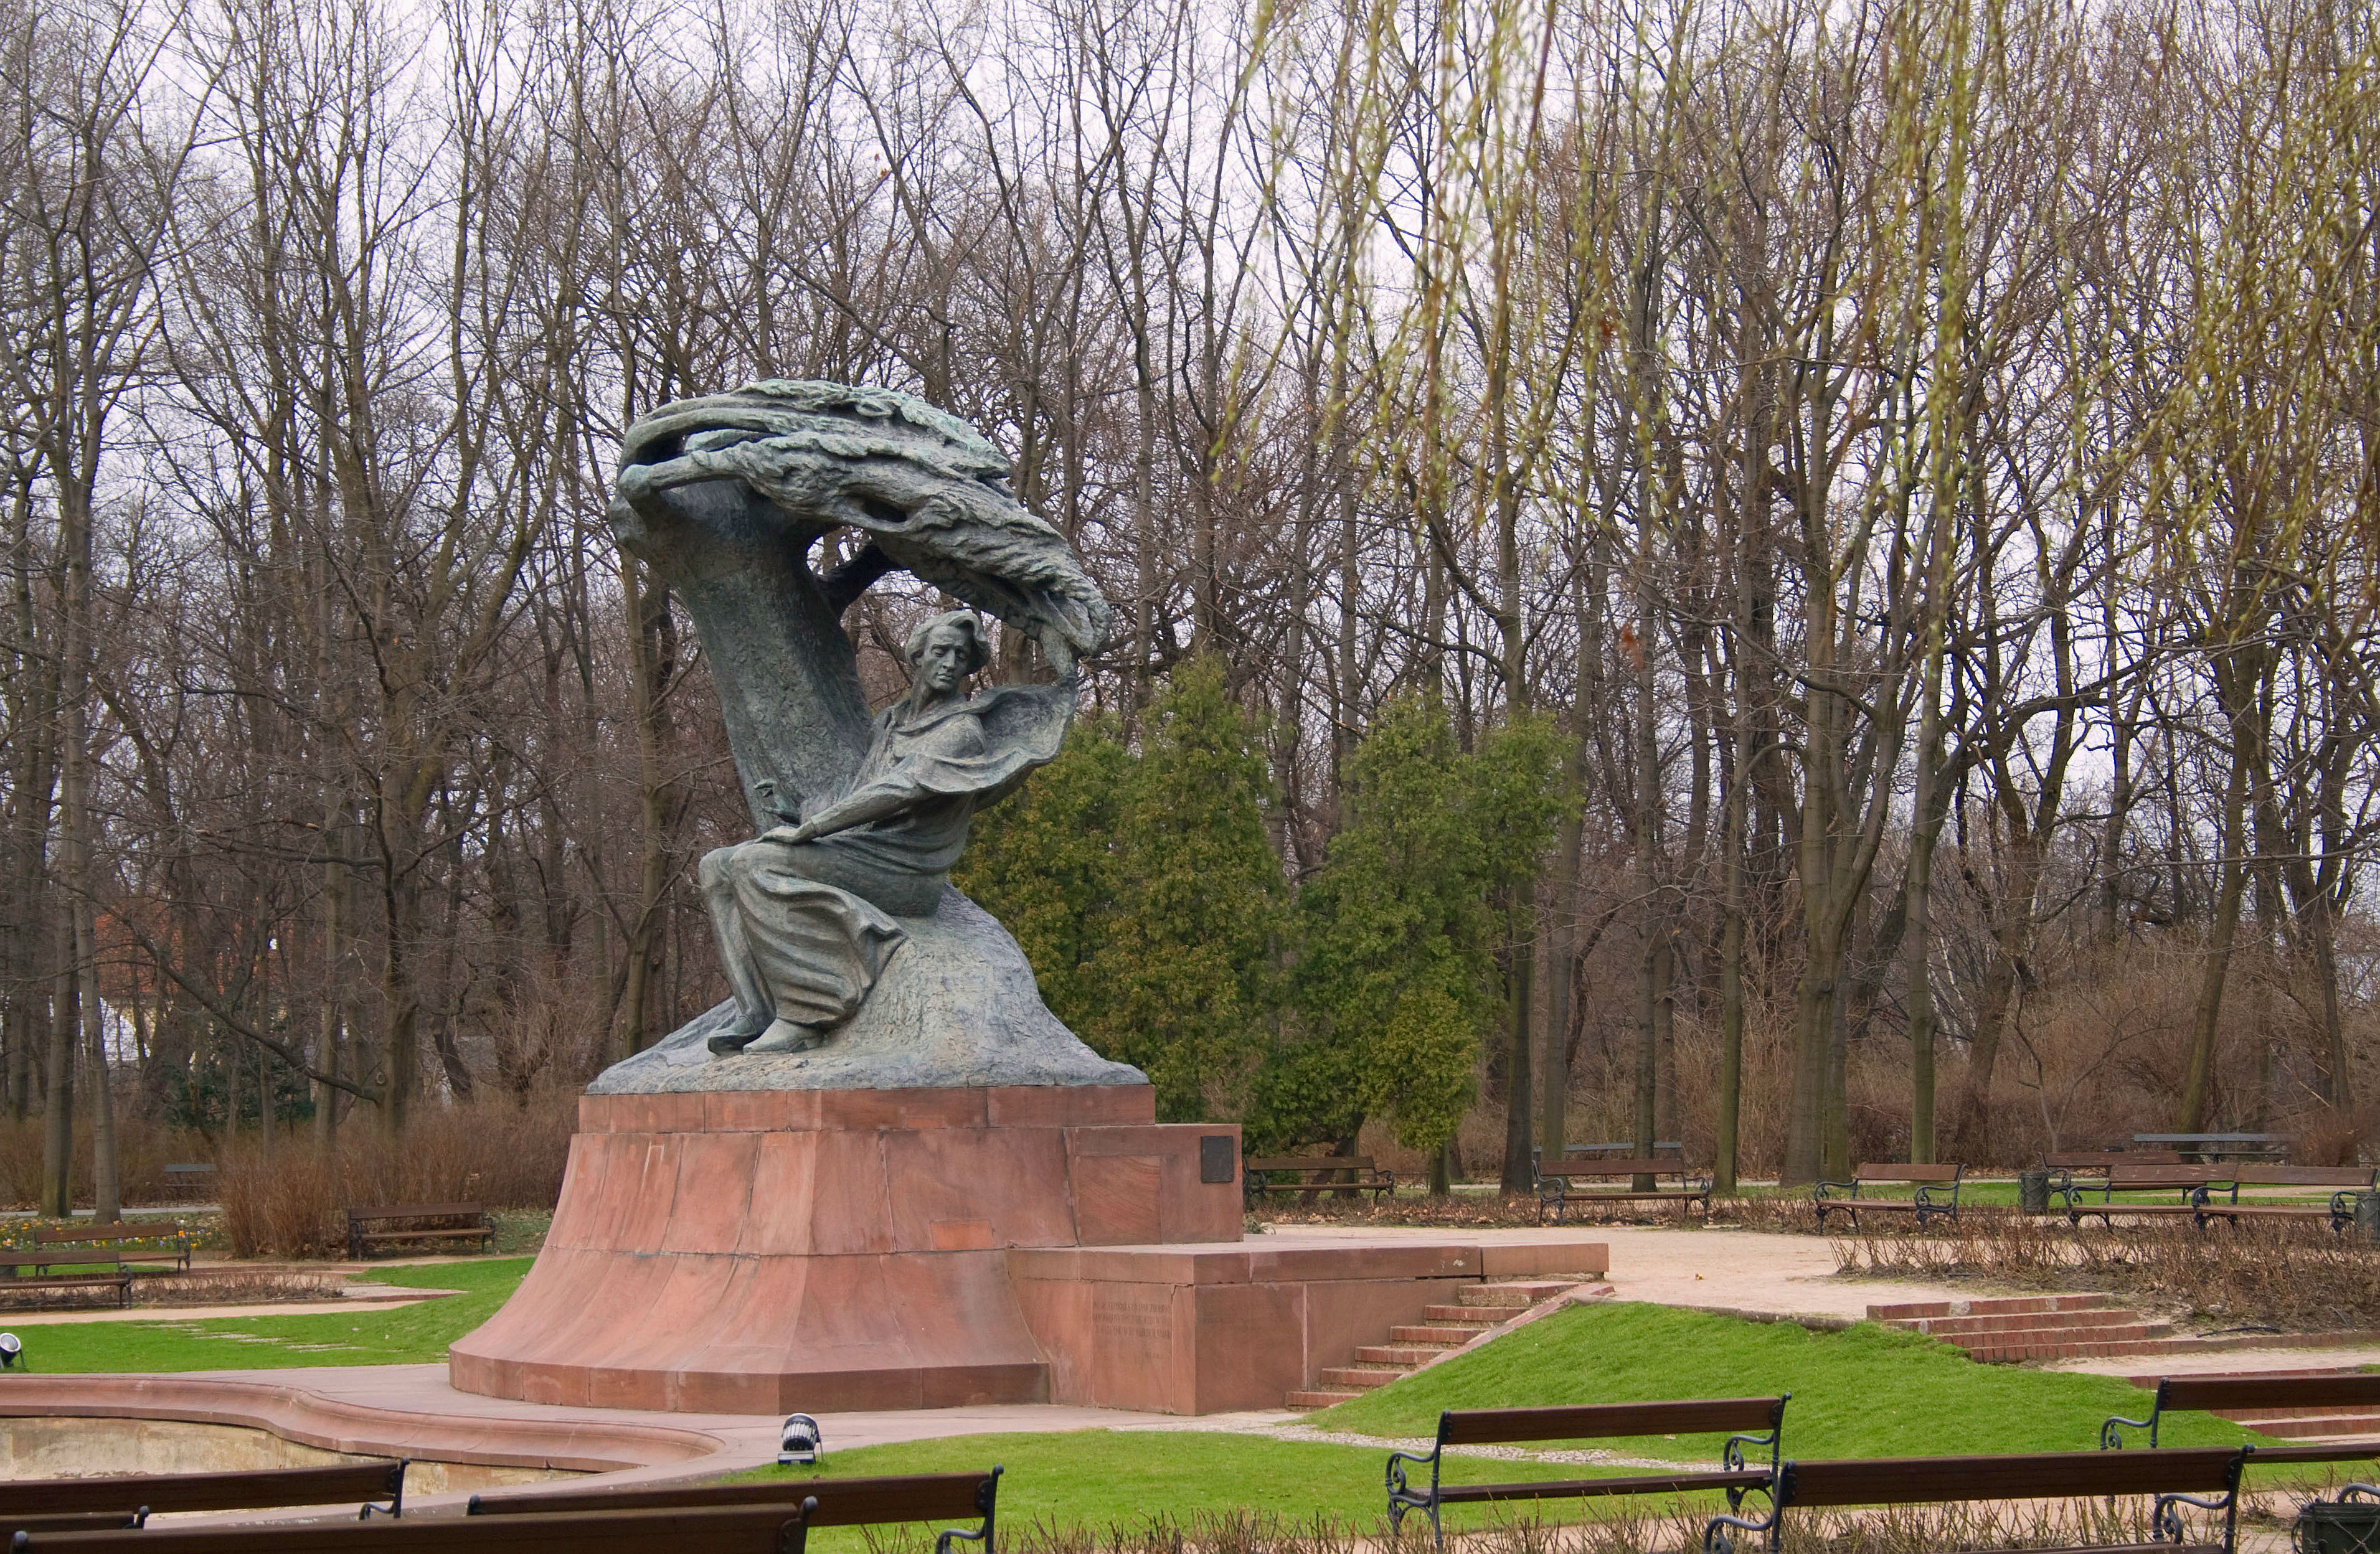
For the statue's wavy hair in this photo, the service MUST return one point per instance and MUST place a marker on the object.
(968, 625)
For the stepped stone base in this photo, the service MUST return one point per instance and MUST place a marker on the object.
(829, 1250)
(2013, 1330)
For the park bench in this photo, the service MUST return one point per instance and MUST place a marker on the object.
(2189, 1181)
(189, 1177)
(835, 1503)
(1621, 1147)
(1927, 1202)
(2349, 1183)
(2206, 1477)
(418, 1221)
(1555, 1184)
(2222, 1394)
(177, 1252)
(770, 1528)
(129, 1500)
(1320, 1174)
(43, 1278)
(2272, 1146)
(1747, 1422)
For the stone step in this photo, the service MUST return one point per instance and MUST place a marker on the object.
(2309, 1426)
(1515, 1296)
(1478, 1307)
(2215, 1343)
(2139, 1328)
(2007, 1348)
(1993, 1306)
(1362, 1377)
(2150, 1378)
(2009, 1322)
(1472, 1319)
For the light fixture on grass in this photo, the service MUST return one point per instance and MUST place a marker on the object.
(12, 1349)
(801, 1441)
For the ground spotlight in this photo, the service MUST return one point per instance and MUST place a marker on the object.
(801, 1441)
(12, 1349)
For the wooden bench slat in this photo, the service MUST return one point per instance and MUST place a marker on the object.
(719, 1530)
(2202, 1393)
(424, 1235)
(344, 1483)
(416, 1211)
(2013, 1476)
(72, 1522)
(843, 1502)
(1583, 1488)
(2316, 1451)
(51, 1235)
(2305, 1176)
(2137, 1549)
(1925, 1174)
(1574, 1169)
(1486, 1426)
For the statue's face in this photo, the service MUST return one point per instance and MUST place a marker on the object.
(942, 664)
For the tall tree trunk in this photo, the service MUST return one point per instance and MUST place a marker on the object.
(1731, 979)
(2198, 1072)
(107, 1173)
(1561, 951)
(57, 1098)
(1521, 928)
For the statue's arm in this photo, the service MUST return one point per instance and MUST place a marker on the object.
(852, 578)
(952, 765)
(874, 802)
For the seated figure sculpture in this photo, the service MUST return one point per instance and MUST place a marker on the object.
(805, 912)
(726, 498)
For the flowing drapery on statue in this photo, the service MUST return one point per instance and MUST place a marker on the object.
(805, 912)
(860, 818)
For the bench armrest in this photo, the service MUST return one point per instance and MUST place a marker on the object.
(1403, 1496)
(1394, 1473)
(2168, 1522)
(1732, 1456)
(1819, 1189)
(2110, 1438)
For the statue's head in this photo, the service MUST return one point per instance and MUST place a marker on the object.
(944, 650)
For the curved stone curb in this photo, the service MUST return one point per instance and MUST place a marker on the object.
(333, 1425)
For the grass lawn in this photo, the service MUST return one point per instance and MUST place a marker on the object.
(1098, 1479)
(1866, 1391)
(366, 1336)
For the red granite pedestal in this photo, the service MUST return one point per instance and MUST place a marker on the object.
(834, 1250)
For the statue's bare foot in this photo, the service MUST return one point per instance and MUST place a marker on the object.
(738, 1037)
(784, 1036)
